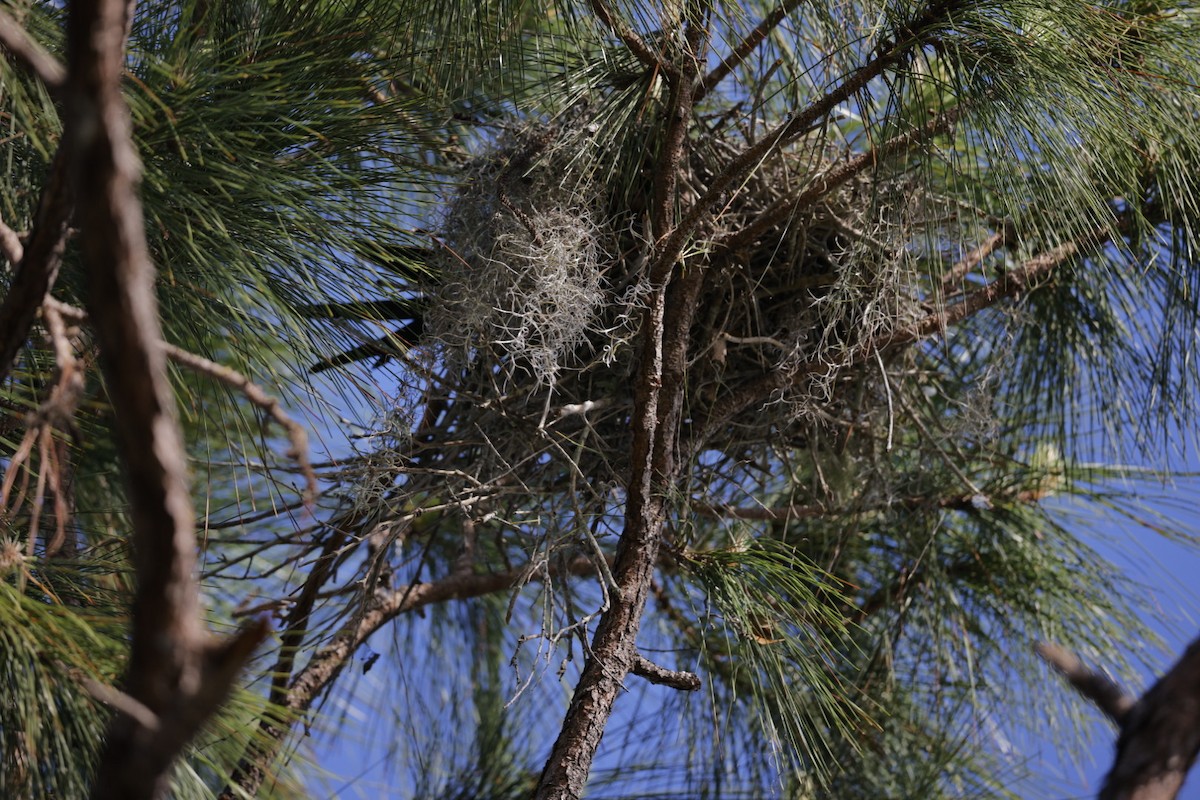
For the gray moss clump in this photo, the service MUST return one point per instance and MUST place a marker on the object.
(521, 263)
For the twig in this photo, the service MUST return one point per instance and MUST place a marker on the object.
(972, 259)
(960, 502)
(123, 703)
(745, 47)
(255, 394)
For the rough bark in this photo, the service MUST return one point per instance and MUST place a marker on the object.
(614, 647)
(657, 415)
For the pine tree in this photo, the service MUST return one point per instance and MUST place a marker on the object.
(735, 374)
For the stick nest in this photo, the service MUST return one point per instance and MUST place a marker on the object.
(542, 281)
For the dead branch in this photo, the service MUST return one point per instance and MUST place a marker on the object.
(256, 395)
(676, 679)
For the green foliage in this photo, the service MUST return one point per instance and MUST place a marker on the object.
(859, 556)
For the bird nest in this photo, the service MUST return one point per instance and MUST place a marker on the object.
(542, 280)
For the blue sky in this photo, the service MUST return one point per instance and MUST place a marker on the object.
(363, 756)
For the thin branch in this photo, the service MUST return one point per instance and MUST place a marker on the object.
(961, 502)
(796, 126)
(676, 679)
(679, 117)
(255, 394)
(36, 263)
(745, 48)
(1102, 690)
(29, 54)
(122, 703)
(637, 45)
(839, 175)
(971, 260)
(296, 433)
(328, 662)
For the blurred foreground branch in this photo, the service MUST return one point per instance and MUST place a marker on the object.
(1159, 733)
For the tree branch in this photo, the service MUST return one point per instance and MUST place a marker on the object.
(636, 44)
(839, 175)
(1160, 733)
(328, 662)
(1102, 690)
(175, 672)
(679, 117)
(30, 55)
(256, 395)
(745, 47)
(296, 433)
(1160, 737)
(37, 263)
(1011, 283)
(971, 260)
(10, 245)
(798, 125)
(676, 679)
(961, 502)
(658, 410)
